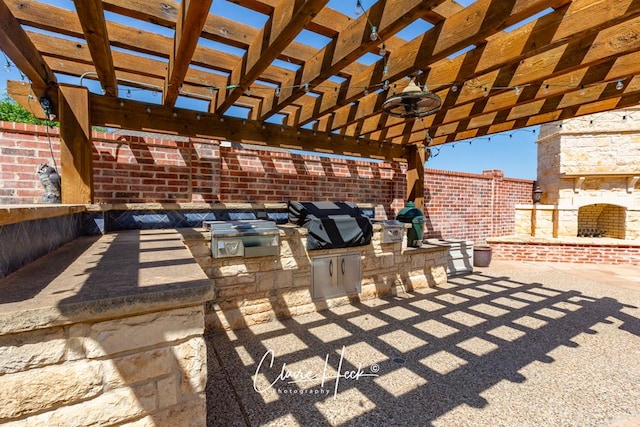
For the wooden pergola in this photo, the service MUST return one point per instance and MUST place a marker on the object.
(497, 65)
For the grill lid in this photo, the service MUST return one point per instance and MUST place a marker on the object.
(331, 224)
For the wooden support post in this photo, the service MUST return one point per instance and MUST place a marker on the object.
(76, 148)
(415, 175)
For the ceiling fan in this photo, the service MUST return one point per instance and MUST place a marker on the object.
(412, 103)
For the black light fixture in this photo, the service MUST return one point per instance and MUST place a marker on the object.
(412, 103)
(537, 194)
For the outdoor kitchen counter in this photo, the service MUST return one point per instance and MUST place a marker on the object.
(94, 278)
(12, 214)
(251, 290)
(105, 330)
(288, 231)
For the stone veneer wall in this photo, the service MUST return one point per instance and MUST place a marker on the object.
(143, 370)
(256, 290)
(587, 161)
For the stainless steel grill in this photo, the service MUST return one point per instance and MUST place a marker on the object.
(247, 238)
(391, 230)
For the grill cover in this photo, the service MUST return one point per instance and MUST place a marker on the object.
(331, 224)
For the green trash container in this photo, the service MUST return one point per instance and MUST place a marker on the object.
(412, 215)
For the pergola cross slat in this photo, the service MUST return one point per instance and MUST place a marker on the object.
(178, 51)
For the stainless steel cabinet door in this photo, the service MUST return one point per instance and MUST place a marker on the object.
(324, 278)
(333, 276)
(350, 270)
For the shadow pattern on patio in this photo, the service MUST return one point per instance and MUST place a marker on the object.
(420, 356)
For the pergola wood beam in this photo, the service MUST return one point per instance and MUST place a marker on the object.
(288, 19)
(580, 53)
(630, 99)
(191, 18)
(580, 19)
(146, 70)
(15, 43)
(536, 112)
(107, 111)
(416, 158)
(50, 18)
(579, 43)
(21, 93)
(388, 16)
(76, 148)
(582, 62)
(95, 33)
(473, 24)
(73, 68)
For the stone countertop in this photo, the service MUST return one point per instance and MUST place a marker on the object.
(292, 231)
(94, 278)
(11, 214)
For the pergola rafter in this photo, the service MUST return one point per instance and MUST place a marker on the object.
(563, 63)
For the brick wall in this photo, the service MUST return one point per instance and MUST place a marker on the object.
(22, 148)
(275, 176)
(472, 206)
(558, 251)
(139, 169)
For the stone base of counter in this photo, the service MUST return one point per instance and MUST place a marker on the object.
(256, 290)
(105, 331)
(147, 370)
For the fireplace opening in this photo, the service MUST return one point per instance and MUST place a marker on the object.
(602, 220)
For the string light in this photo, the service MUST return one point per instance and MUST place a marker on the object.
(509, 135)
(455, 86)
(374, 34)
(359, 9)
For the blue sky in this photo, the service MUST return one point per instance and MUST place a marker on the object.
(513, 152)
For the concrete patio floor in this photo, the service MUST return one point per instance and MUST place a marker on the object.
(515, 344)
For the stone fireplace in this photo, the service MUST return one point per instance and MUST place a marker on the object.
(588, 171)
